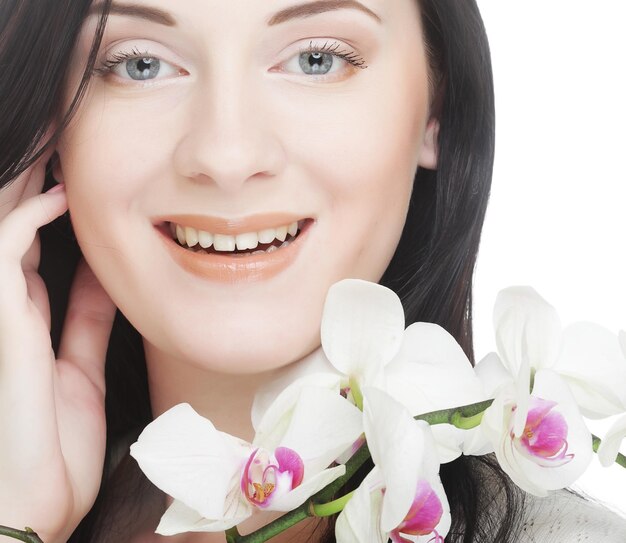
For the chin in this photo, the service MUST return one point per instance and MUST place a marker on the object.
(244, 355)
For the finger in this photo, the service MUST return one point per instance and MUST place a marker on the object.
(17, 233)
(87, 326)
(18, 228)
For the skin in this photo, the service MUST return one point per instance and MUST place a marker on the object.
(223, 131)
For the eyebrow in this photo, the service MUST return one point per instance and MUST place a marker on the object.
(319, 6)
(154, 15)
(300, 11)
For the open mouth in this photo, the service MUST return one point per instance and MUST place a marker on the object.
(240, 246)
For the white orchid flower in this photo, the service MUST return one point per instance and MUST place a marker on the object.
(364, 343)
(402, 498)
(551, 448)
(217, 480)
(535, 422)
(529, 338)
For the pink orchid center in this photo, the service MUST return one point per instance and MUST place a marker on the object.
(423, 516)
(266, 476)
(545, 432)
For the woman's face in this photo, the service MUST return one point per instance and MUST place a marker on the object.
(235, 117)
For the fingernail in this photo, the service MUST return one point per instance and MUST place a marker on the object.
(56, 188)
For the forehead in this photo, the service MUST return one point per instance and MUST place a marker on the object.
(281, 12)
(270, 13)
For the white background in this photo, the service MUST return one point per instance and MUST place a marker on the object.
(557, 216)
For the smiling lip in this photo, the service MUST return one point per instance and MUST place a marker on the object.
(229, 268)
(232, 227)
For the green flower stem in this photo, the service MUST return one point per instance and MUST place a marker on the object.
(232, 535)
(330, 508)
(467, 423)
(28, 535)
(465, 417)
(621, 459)
(278, 526)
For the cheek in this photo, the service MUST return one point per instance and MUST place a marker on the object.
(362, 152)
(109, 164)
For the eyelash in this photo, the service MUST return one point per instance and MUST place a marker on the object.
(118, 58)
(349, 56)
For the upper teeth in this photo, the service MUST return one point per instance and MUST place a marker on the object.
(222, 242)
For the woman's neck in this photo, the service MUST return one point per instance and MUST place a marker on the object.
(226, 400)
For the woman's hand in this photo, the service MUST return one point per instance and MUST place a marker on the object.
(52, 420)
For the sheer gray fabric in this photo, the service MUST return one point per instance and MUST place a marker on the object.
(563, 517)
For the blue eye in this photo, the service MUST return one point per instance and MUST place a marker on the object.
(326, 59)
(314, 63)
(136, 65)
(143, 68)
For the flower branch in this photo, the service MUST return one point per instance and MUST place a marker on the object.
(27, 535)
(465, 417)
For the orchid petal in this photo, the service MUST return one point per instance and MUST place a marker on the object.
(495, 421)
(446, 519)
(310, 485)
(419, 376)
(359, 522)
(429, 517)
(609, 448)
(593, 402)
(451, 442)
(322, 425)
(315, 366)
(396, 443)
(180, 518)
(527, 327)
(430, 344)
(492, 374)
(185, 456)
(522, 395)
(276, 417)
(291, 462)
(593, 364)
(448, 441)
(495, 424)
(476, 442)
(362, 327)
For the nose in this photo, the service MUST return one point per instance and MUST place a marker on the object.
(227, 136)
